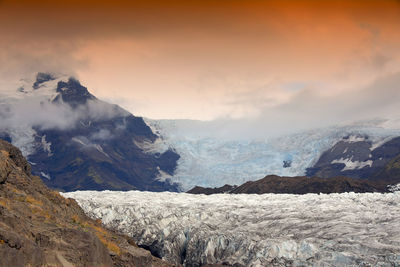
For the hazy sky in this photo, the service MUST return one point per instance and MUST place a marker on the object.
(288, 62)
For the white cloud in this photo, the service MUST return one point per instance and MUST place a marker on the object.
(35, 109)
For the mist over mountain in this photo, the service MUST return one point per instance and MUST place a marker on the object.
(46, 104)
(75, 141)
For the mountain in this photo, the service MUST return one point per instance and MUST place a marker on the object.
(39, 227)
(298, 185)
(358, 157)
(75, 141)
(353, 164)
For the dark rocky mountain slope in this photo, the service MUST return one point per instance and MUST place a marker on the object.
(103, 148)
(356, 157)
(39, 227)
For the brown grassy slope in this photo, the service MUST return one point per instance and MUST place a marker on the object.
(39, 227)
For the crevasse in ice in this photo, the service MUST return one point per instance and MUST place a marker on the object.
(256, 230)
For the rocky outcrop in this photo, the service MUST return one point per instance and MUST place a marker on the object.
(209, 191)
(39, 227)
(41, 78)
(73, 93)
(305, 185)
(298, 185)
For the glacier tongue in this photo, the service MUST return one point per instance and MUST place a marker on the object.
(256, 230)
(211, 161)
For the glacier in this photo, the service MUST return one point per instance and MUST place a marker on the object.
(211, 160)
(346, 229)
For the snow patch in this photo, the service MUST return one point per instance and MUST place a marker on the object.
(83, 141)
(354, 139)
(163, 176)
(394, 188)
(352, 165)
(158, 146)
(46, 146)
(79, 141)
(23, 138)
(46, 175)
(100, 149)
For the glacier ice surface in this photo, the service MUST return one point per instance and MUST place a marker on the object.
(346, 229)
(211, 161)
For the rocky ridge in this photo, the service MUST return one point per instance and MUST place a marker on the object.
(298, 185)
(39, 227)
(209, 191)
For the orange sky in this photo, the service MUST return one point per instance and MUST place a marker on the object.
(205, 59)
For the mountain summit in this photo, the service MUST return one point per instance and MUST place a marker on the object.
(73, 93)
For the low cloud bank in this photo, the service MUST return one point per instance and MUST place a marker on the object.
(307, 109)
(374, 105)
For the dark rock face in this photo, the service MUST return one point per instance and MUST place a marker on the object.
(299, 185)
(287, 163)
(209, 191)
(38, 227)
(73, 93)
(369, 163)
(41, 78)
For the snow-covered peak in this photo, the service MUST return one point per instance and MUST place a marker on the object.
(38, 103)
(37, 87)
